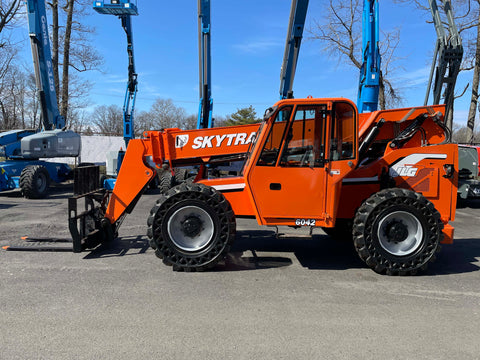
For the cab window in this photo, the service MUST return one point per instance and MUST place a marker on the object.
(305, 140)
(271, 148)
(342, 140)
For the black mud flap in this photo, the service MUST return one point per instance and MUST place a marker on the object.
(87, 223)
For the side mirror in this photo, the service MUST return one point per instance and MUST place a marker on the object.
(268, 113)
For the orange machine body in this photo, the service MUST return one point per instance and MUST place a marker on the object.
(302, 164)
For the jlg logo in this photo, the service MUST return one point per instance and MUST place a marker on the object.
(404, 167)
(406, 171)
(202, 142)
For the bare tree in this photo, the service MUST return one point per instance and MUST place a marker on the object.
(55, 44)
(69, 7)
(13, 99)
(8, 13)
(71, 50)
(339, 32)
(80, 120)
(163, 114)
(166, 115)
(220, 120)
(32, 106)
(473, 56)
(143, 122)
(108, 119)
(7, 54)
(459, 133)
(467, 19)
(189, 122)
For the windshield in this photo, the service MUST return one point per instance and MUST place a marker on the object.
(281, 115)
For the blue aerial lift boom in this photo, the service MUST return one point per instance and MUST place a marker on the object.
(445, 66)
(23, 148)
(298, 13)
(369, 82)
(124, 10)
(205, 65)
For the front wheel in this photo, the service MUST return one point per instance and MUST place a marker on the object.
(34, 182)
(192, 227)
(397, 232)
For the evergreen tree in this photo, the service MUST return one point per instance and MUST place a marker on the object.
(243, 116)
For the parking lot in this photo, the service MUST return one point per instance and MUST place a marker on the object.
(291, 297)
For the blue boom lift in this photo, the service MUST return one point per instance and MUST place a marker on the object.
(124, 10)
(23, 149)
(205, 65)
(369, 82)
(445, 65)
(298, 13)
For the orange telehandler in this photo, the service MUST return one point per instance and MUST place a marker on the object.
(387, 179)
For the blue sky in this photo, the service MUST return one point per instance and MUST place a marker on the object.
(248, 39)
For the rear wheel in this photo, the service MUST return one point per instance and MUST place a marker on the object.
(166, 181)
(192, 227)
(180, 175)
(397, 232)
(34, 181)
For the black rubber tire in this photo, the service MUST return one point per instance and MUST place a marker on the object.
(220, 216)
(385, 206)
(166, 181)
(34, 182)
(180, 175)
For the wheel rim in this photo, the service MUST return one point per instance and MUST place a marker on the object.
(41, 183)
(190, 228)
(400, 233)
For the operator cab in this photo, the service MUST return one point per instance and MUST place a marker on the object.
(303, 151)
(116, 7)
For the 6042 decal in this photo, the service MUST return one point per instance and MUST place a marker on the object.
(305, 222)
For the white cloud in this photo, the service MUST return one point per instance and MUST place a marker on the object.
(114, 79)
(415, 77)
(258, 46)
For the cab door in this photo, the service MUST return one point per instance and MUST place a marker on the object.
(293, 170)
(288, 181)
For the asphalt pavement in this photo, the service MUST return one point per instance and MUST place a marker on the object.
(293, 296)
